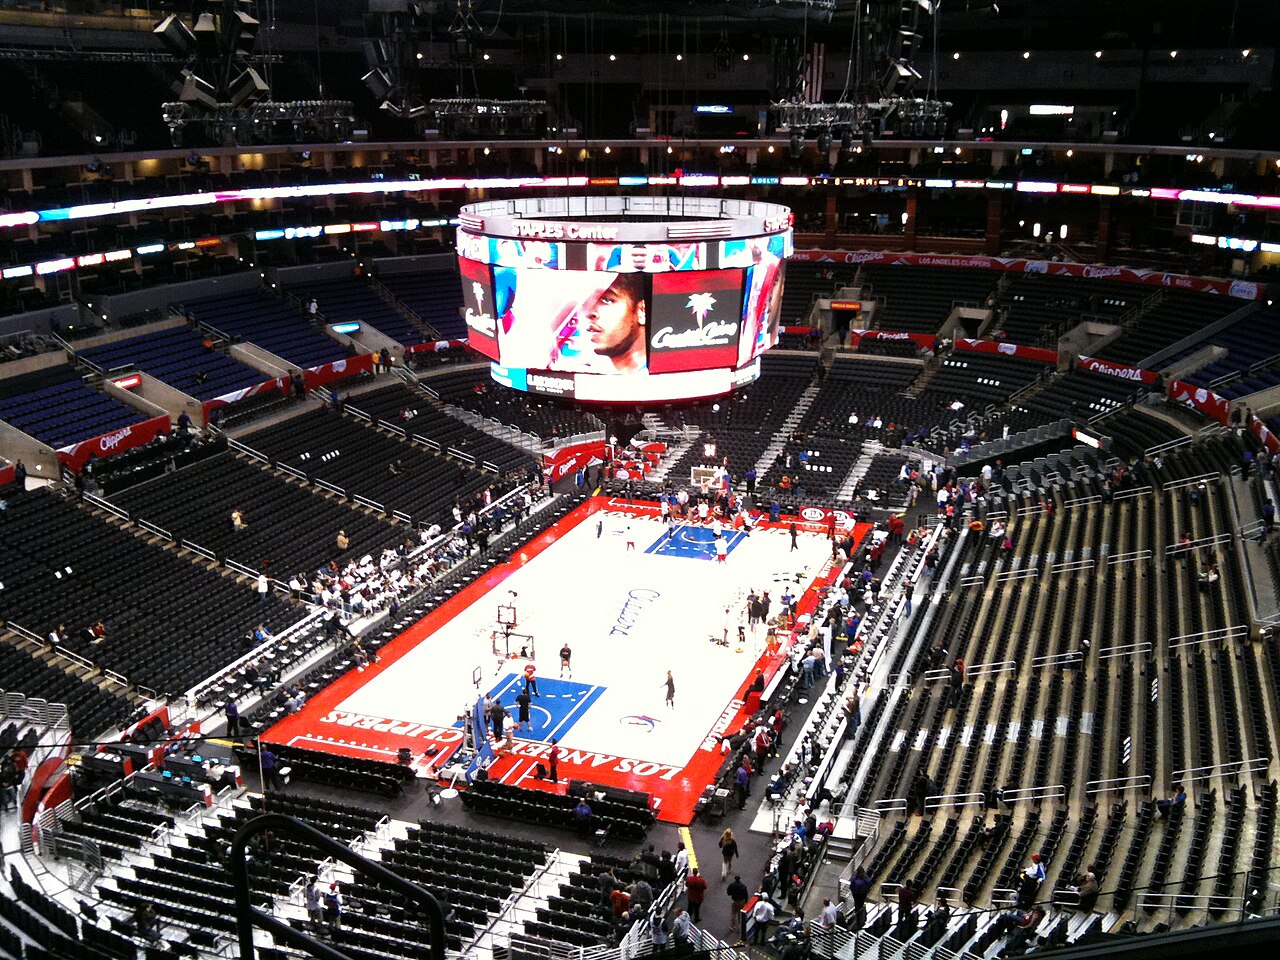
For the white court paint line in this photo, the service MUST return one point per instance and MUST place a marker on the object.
(568, 716)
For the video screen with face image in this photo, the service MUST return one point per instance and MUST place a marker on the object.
(696, 320)
(478, 307)
(573, 321)
(761, 308)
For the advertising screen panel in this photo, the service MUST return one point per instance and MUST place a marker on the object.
(478, 307)
(646, 257)
(696, 321)
(574, 321)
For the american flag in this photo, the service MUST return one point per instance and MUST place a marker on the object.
(815, 72)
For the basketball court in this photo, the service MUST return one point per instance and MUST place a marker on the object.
(633, 600)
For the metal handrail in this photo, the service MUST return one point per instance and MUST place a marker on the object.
(248, 915)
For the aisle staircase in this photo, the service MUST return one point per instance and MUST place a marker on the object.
(859, 470)
(779, 441)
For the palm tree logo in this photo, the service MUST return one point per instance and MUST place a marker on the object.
(700, 304)
(477, 291)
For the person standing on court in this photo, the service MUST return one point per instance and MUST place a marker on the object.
(553, 760)
(522, 715)
(670, 684)
(566, 654)
(792, 529)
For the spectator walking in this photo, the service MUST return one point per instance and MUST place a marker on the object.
(728, 851)
(737, 893)
(315, 904)
(270, 768)
(859, 890)
(333, 908)
(695, 887)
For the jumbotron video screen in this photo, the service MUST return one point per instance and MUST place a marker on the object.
(625, 322)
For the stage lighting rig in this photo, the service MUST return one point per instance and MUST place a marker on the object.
(912, 116)
(220, 91)
(217, 50)
(473, 117)
(264, 121)
(390, 54)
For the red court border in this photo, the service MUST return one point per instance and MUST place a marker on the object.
(321, 726)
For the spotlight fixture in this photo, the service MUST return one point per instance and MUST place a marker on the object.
(797, 146)
(221, 93)
(824, 141)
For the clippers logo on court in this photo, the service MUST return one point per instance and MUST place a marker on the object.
(696, 320)
(630, 613)
(477, 305)
(638, 720)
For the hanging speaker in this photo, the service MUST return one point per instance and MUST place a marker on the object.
(176, 36)
(195, 90)
(247, 88)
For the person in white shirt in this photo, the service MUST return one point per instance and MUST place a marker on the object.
(264, 588)
(761, 916)
(682, 861)
(830, 914)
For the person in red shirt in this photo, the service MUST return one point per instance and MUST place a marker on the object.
(553, 760)
(619, 902)
(695, 888)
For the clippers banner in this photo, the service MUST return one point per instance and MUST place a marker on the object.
(109, 444)
(1007, 349)
(338, 370)
(926, 340)
(1198, 398)
(1094, 365)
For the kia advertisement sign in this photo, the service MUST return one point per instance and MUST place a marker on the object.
(478, 308)
(824, 516)
(574, 321)
(696, 320)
